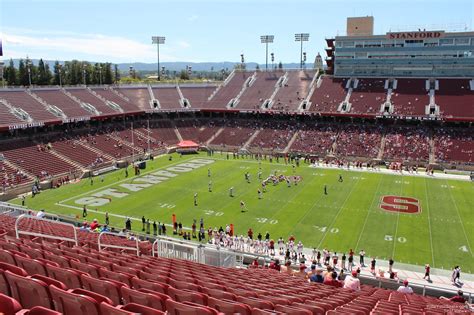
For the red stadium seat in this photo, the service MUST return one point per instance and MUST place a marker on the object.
(7, 257)
(69, 277)
(29, 292)
(32, 266)
(256, 303)
(69, 303)
(187, 296)
(289, 309)
(8, 305)
(151, 285)
(177, 308)
(129, 309)
(219, 294)
(38, 310)
(229, 306)
(117, 276)
(90, 269)
(145, 297)
(50, 281)
(104, 287)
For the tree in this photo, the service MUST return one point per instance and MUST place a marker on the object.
(57, 73)
(107, 73)
(23, 73)
(280, 65)
(42, 75)
(10, 73)
(183, 75)
(116, 74)
(257, 67)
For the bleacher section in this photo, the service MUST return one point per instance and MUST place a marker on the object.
(24, 101)
(168, 96)
(316, 139)
(228, 91)
(85, 96)
(294, 91)
(198, 95)
(454, 145)
(455, 99)
(259, 91)
(55, 97)
(273, 136)
(140, 97)
(35, 158)
(199, 131)
(359, 141)
(235, 134)
(60, 276)
(7, 118)
(109, 95)
(410, 98)
(329, 95)
(407, 144)
(368, 97)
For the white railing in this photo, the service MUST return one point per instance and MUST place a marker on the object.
(18, 232)
(105, 246)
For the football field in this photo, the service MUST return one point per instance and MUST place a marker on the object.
(415, 220)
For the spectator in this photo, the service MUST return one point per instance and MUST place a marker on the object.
(405, 288)
(459, 298)
(352, 282)
(332, 281)
(41, 214)
(94, 225)
(317, 276)
(390, 265)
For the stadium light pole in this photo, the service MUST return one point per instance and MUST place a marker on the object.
(84, 74)
(28, 64)
(301, 37)
(265, 39)
(158, 40)
(60, 79)
(272, 55)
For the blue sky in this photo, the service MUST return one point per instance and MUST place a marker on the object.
(209, 30)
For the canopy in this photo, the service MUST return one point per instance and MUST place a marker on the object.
(187, 144)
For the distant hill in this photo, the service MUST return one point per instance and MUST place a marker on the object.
(176, 66)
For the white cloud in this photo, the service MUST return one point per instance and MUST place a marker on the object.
(94, 47)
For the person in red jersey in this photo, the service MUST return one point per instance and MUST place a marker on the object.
(332, 280)
(94, 225)
(459, 298)
(427, 272)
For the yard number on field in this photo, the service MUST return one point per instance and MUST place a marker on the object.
(214, 213)
(166, 205)
(324, 229)
(463, 249)
(400, 239)
(266, 220)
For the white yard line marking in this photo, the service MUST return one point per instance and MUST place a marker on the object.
(368, 213)
(429, 223)
(398, 219)
(460, 220)
(337, 214)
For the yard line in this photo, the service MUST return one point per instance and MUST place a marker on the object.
(398, 219)
(338, 212)
(368, 213)
(126, 179)
(429, 222)
(460, 219)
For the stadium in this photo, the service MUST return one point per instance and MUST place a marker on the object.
(339, 186)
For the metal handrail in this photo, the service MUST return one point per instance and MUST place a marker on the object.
(137, 248)
(18, 231)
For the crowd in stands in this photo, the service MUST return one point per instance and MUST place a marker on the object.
(359, 141)
(407, 144)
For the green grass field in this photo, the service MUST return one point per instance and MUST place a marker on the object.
(349, 216)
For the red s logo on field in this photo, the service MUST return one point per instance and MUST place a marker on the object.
(400, 204)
